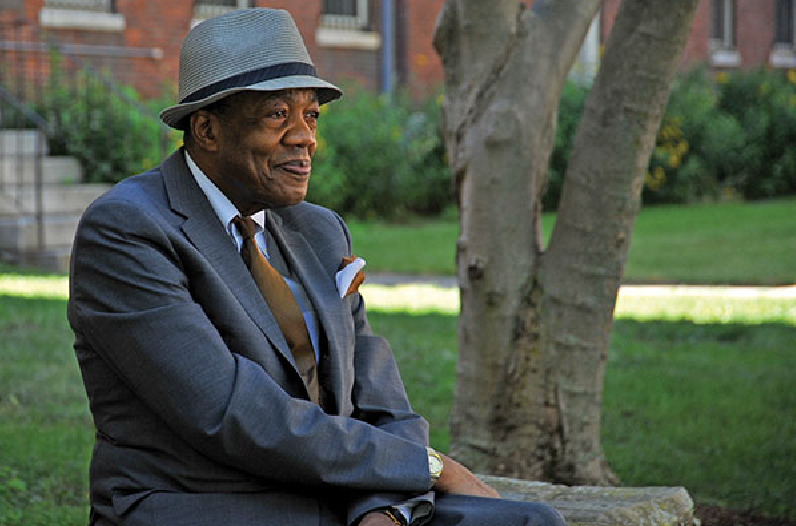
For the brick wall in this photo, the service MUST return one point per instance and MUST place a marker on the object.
(755, 31)
(160, 25)
(697, 48)
(423, 68)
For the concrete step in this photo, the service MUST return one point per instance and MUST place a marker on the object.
(604, 506)
(21, 169)
(56, 199)
(21, 234)
(23, 142)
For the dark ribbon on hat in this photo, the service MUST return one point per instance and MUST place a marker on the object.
(285, 69)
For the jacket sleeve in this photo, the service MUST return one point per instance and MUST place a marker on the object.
(380, 400)
(130, 298)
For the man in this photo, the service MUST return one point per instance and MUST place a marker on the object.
(230, 380)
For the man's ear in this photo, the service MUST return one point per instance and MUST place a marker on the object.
(205, 129)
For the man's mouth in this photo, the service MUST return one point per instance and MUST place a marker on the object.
(298, 167)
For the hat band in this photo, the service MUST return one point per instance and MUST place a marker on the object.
(286, 69)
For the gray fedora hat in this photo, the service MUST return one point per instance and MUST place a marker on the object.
(249, 49)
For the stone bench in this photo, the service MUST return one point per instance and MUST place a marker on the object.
(604, 506)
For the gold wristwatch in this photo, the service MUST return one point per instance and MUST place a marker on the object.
(434, 465)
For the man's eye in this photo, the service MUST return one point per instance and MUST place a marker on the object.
(314, 115)
(278, 114)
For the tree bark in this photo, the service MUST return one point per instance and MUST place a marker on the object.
(534, 325)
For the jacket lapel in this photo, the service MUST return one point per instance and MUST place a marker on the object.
(320, 288)
(203, 228)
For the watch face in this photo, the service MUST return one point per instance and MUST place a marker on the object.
(434, 465)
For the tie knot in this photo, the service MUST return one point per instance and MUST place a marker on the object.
(246, 226)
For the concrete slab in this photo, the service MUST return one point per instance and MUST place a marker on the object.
(23, 142)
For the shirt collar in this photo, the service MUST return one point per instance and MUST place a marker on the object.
(222, 206)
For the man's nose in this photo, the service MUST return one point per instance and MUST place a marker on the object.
(300, 133)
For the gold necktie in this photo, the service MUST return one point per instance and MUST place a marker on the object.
(283, 306)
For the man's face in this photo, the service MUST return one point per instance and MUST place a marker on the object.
(265, 144)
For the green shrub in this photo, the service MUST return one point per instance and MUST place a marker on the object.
(379, 157)
(727, 136)
(108, 128)
(570, 107)
(765, 102)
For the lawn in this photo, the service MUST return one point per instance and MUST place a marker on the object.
(726, 243)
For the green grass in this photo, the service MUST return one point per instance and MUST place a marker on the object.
(715, 243)
(45, 428)
(749, 243)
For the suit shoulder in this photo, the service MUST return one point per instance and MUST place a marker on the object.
(145, 190)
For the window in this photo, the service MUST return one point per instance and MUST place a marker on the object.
(722, 23)
(203, 9)
(345, 14)
(723, 52)
(783, 53)
(783, 23)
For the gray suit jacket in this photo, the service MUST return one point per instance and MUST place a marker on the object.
(201, 414)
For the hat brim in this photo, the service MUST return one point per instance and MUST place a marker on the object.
(327, 92)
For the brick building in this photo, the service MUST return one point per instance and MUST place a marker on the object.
(139, 39)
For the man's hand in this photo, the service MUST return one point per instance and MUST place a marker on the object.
(456, 478)
(376, 518)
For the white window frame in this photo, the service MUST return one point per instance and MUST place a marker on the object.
(723, 52)
(90, 15)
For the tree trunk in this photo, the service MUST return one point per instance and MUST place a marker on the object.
(534, 325)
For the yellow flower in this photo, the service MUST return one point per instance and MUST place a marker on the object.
(721, 77)
(674, 161)
(655, 180)
(792, 76)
